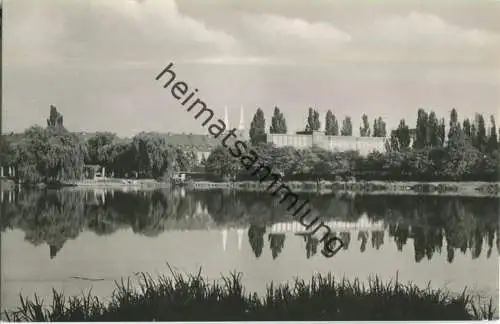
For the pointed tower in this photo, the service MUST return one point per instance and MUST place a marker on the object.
(241, 126)
(224, 239)
(226, 118)
(240, 238)
(199, 209)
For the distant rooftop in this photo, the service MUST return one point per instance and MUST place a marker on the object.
(413, 132)
(198, 141)
(324, 133)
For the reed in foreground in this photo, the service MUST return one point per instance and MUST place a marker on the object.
(193, 298)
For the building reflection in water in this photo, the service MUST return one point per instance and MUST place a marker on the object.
(239, 232)
(8, 196)
(224, 239)
(100, 196)
(277, 234)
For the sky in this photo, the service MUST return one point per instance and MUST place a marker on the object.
(96, 60)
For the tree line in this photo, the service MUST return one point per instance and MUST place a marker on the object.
(53, 154)
(467, 152)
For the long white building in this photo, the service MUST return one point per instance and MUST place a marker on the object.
(363, 145)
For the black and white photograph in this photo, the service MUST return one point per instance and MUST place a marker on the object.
(237, 160)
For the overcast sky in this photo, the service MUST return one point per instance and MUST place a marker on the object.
(96, 60)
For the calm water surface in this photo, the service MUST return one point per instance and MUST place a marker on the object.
(74, 241)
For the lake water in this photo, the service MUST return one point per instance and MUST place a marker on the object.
(74, 240)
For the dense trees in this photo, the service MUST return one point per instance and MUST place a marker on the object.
(53, 154)
(429, 131)
(99, 147)
(153, 157)
(468, 151)
(45, 156)
(49, 155)
(7, 151)
(222, 163)
(458, 162)
(423, 153)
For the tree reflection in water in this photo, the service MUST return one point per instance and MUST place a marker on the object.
(256, 239)
(276, 243)
(52, 217)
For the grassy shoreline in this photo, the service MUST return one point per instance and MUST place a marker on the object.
(449, 188)
(459, 188)
(193, 298)
(476, 188)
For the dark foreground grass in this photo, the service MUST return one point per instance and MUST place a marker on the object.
(193, 298)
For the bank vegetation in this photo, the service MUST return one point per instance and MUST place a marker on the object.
(193, 298)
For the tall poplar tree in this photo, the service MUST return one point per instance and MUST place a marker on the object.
(379, 128)
(346, 127)
(278, 122)
(331, 124)
(382, 128)
(55, 120)
(481, 133)
(441, 133)
(432, 130)
(258, 128)
(421, 130)
(364, 130)
(466, 126)
(493, 139)
(454, 131)
(313, 123)
(403, 135)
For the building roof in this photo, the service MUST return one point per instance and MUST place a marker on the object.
(93, 166)
(198, 141)
(13, 138)
(412, 131)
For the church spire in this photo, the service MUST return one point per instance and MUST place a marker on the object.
(224, 239)
(241, 127)
(240, 238)
(226, 118)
